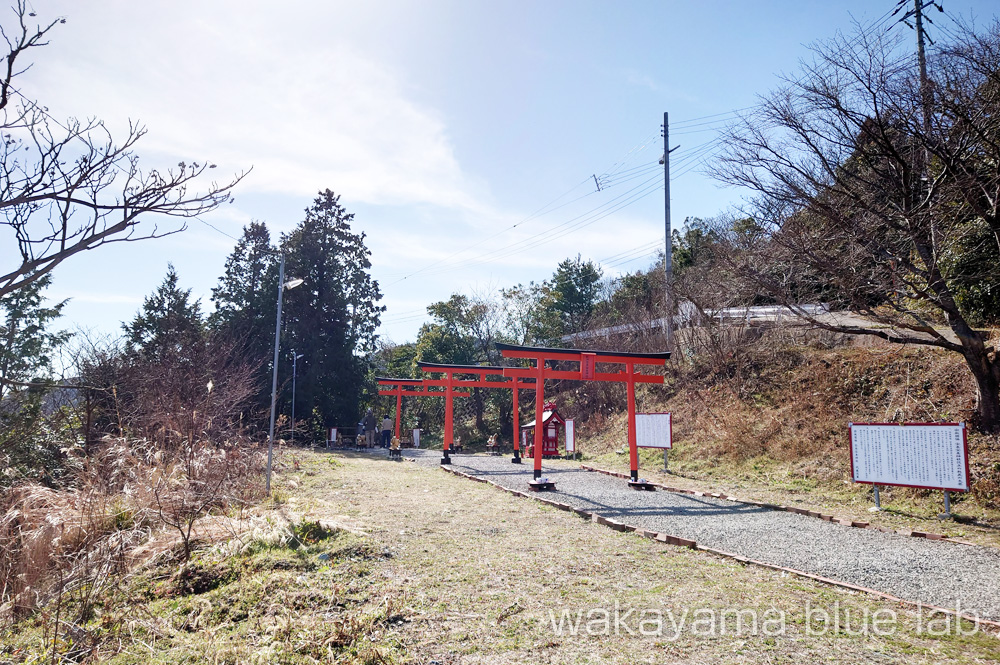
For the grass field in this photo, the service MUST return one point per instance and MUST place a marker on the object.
(362, 560)
(480, 575)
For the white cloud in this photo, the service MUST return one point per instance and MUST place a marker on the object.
(95, 297)
(247, 85)
(641, 80)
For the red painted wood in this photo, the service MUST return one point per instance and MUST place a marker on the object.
(633, 450)
(539, 410)
(399, 409)
(524, 372)
(548, 354)
(517, 417)
(448, 412)
(585, 359)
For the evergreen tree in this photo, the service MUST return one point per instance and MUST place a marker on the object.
(168, 326)
(244, 298)
(27, 342)
(245, 304)
(331, 319)
(575, 287)
(30, 434)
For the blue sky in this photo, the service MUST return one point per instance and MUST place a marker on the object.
(443, 125)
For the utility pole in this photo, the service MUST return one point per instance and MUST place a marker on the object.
(282, 285)
(295, 360)
(925, 88)
(274, 373)
(926, 94)
(667, 257)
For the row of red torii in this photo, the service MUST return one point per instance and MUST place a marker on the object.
(529, 378)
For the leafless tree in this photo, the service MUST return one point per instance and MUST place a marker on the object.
(866, 190)
(69, 186)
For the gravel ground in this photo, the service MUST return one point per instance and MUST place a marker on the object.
(931, 572)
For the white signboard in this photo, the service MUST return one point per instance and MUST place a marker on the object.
(926, 456)
(416, 438)
(652, 430)
(570, 437)
(331, 437)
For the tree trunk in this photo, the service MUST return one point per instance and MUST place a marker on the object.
(987, 375)
(477, 397)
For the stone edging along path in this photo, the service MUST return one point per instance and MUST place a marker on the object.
(684, 542)
(791, 509)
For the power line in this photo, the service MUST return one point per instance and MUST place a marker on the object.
(629, 252)
(436, 268)
(639, 147)
(689, 121)
(637, 257)
(592, 216)
(688, 156)
(561, 230)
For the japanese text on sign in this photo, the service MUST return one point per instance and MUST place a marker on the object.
(652, 430)
(929, 456)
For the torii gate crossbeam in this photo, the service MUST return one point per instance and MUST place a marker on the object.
(414, 388)
(587, 371)
(481, 372)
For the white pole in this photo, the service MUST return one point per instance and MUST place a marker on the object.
(274, 374)
(295, 359)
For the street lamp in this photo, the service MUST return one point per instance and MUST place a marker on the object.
(295, 358)
(282, 285)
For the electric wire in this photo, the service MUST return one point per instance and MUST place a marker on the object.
(690, 155)
(629, 155)
(694, 158)
(575, 223)
(659, 242)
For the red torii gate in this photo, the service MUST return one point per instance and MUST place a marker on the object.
(414, 388)
(481, 372)
(587, 371)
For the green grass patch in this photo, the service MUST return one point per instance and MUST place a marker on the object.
(303, 594)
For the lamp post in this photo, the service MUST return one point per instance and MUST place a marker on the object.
(282, 285)
(295, 358)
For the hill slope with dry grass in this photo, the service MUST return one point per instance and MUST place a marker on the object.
(774, 419)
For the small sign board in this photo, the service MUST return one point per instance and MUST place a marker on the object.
(331, 437)
(653, 430)
(924, 455)
(570, 437)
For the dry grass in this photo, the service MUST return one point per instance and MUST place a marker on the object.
(429, 567)
(480, 571)
(67, 557)
(780, 435)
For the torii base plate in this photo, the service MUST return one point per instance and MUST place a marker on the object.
(642, 485)
(541, 486)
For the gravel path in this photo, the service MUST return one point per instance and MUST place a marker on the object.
(931, 572)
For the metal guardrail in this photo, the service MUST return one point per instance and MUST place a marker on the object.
(688, 316)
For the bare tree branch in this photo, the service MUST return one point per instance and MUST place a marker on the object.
(67, 187)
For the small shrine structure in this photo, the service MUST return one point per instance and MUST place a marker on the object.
(552, 422)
